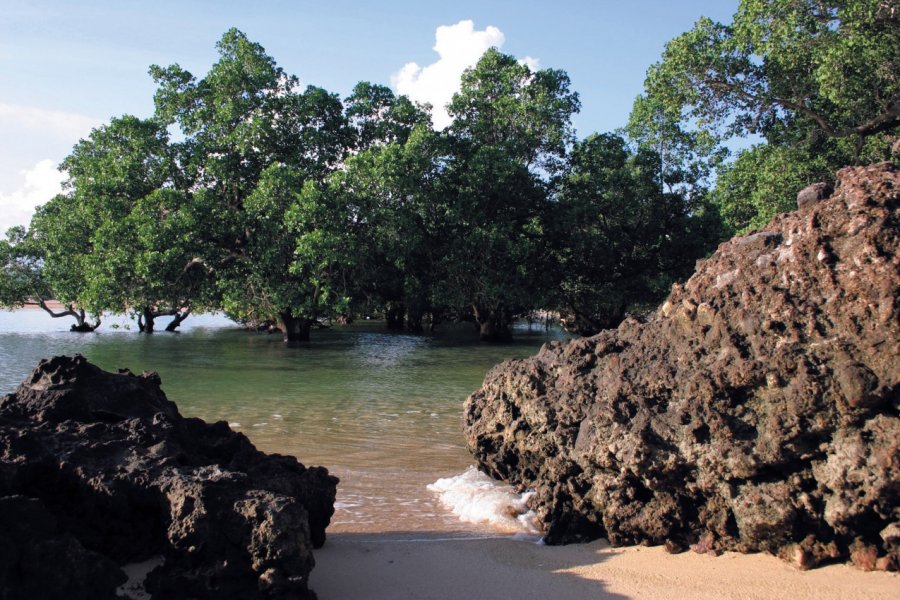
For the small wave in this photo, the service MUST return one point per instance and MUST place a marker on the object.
(476, 498)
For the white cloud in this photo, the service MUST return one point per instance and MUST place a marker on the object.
(27, 135)
(38, 185)
(533, 64)
(459, 47)
(63, 124)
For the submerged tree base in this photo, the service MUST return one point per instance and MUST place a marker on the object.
(494, 325)
(294, 329)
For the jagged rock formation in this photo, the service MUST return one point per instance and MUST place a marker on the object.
(756, 410)
(99, 469)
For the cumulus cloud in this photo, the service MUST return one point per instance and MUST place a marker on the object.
(459, 47)
(37, 185)
(31, 134)
(59, 123)
(532, 63)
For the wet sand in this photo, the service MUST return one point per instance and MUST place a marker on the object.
(401, 566)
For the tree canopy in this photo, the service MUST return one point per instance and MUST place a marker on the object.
(620, 239)
(816, 79)
(288, 207)
(509, 139)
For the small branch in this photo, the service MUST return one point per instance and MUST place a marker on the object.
(883, 122)
(194, 263)
(67, 313)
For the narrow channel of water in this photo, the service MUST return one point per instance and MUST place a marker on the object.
(383, 411)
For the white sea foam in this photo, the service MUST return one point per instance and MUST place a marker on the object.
(476, 498)
(137, 574)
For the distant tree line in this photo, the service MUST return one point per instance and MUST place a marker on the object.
(283, 205)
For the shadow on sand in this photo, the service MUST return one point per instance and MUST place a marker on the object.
(435, 566)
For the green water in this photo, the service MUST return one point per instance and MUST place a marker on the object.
(383, 411)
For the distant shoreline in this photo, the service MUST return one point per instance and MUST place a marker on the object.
(51, 304)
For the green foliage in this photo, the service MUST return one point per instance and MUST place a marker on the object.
(41, 263)
(523, 115)
(687, 157)
(393, 199)
(378, 117)
(21, 277)
(495, 255)
(123, 160)
(620, 240)
(816, 79)
(252, 139)
(146, 257)
(509, 141)
(788, 68)
(61, 232)
(763, 181)
(325, 248)
(136, 253)
(284, 205)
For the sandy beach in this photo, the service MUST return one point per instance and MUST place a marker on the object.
(400, 567)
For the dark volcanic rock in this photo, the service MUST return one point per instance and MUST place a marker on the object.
(38, 560)
(99, 469)
(756, 410)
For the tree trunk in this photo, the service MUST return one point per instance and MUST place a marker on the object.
(414, 318)
(393, 315)
(146, 321)
(434, 318)
(494, 325)
(177, 320)
(294, 329)
(81, 325)
(591, 323)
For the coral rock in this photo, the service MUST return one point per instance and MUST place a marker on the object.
(756, 410)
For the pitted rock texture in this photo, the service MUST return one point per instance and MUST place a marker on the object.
(102, 471)
(756, 410)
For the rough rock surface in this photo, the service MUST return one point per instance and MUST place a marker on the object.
(99, 469)
(756, 410)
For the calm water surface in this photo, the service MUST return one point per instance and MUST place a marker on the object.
(382, 411)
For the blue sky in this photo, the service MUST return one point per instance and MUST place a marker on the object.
(67, 66)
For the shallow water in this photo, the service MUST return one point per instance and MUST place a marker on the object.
(382, 411)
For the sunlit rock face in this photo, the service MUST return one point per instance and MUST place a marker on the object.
(755, 410)
(99, 469)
